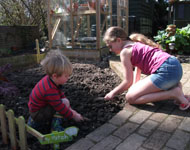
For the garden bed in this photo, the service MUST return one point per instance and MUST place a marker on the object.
(89, 80)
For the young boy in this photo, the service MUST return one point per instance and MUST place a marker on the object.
(47, 97)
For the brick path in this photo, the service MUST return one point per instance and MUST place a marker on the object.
(159, 126)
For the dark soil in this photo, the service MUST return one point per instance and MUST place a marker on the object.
(88, 81)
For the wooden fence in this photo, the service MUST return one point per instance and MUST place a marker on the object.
(9, 124)
(15, 130)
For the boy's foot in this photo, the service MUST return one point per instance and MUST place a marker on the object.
(44, 127)
(56, 124)
(33, 124)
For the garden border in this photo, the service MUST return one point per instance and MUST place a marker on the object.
(8, 129)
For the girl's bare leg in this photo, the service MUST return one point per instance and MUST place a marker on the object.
(186, 96)
(145, 91)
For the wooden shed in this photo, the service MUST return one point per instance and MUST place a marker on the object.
(179, 12)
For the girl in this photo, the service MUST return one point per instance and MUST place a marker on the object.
(164, 71)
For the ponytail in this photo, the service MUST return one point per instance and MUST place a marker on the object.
(137, 37)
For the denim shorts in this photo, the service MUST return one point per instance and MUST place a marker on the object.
(168, 74)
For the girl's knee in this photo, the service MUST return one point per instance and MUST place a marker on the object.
(129, 98)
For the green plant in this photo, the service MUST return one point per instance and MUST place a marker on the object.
(161, 38)
(181, 39)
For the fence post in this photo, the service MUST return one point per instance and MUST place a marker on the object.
(3, 124)
(12, 129)
(38, 51)
(22, 133)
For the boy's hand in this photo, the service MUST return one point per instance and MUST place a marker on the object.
(77, 117)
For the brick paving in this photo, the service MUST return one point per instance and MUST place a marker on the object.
(159, 126)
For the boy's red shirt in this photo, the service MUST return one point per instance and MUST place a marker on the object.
(46, 92)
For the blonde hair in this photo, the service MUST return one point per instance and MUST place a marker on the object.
(56, 62)
(113, 33)
(137, 37)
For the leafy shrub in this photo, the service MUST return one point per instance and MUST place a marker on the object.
(181, 38)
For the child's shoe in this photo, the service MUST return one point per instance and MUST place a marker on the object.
(32, 123)
(56, 124)
(176, 102)
(184, 107)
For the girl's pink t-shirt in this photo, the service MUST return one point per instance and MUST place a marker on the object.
(147, 58)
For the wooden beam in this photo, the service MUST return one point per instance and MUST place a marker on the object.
(71, 22)
(78, 27)
(49, 23)
(110, 12)
(56, 25)
(127, 16)
(65, 28)
(103, 25)
(84, 12)
(88, 26)
(98, 24)
(118, 13)
(37, 51)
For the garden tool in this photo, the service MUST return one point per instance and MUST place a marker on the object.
(86, 119)
(99, 99)
(56, 137)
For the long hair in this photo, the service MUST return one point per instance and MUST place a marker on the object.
(137, 37)
(115, 32)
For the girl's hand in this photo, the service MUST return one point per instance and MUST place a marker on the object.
(109, 96)
(77, 117)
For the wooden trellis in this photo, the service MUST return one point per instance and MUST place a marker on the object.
(77, 27)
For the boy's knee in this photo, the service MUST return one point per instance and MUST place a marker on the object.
(66, 102)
